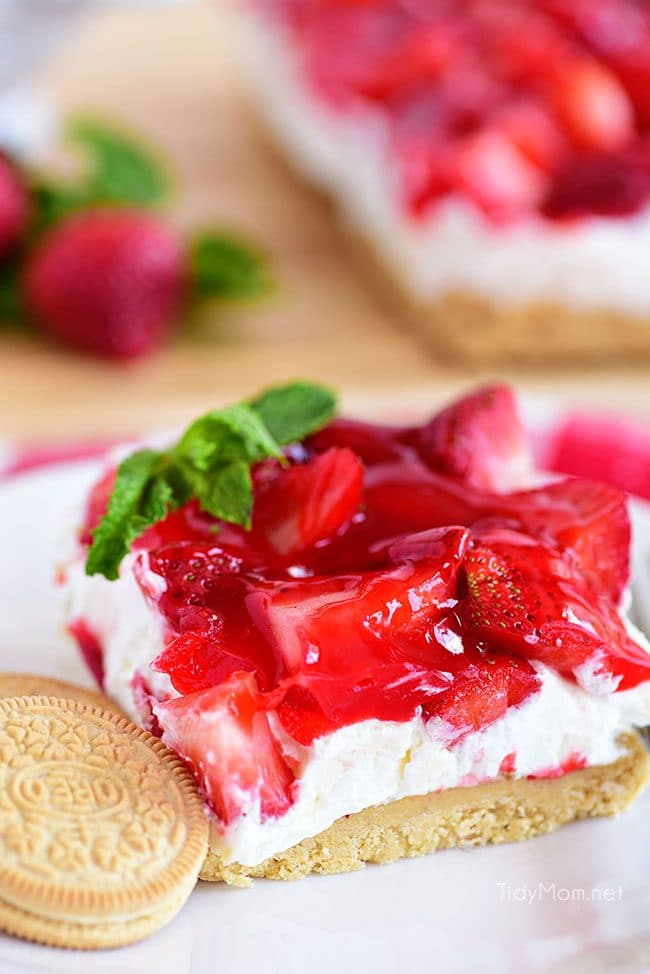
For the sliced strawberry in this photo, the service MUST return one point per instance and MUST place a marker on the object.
(594, 106)
(310, 502)
(480, 441)
(528, 599)
(225, 738)
(364, 645)
(600, 184)
(589, 519)
(529, 126)
(204, 601)
(90, 647)
(496, 174)
(481, 694)
(195, 660)
(301, 716)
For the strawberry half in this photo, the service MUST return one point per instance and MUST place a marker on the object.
(527, 598)
(310, 502)
(481, 694)
(364, 645)
(590, 520)
(480, 441)
(594, 106)
(225, 739)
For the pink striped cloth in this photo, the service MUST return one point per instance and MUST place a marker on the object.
(608, 448)
(15, 460)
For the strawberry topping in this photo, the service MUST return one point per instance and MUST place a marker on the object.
(389, 572)
(526, 597)
(310, 502)
(480, 441)
(226, 740)
(521, 108)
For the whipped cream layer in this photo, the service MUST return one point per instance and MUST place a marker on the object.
(591, 264)
(371, 762)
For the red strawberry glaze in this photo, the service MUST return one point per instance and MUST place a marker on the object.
(542, 106)
(575, 762)
(373, 585)
(90, 648)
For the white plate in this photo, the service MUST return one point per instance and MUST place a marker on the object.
(456, 911)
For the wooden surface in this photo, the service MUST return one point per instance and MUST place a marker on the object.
(167, 74)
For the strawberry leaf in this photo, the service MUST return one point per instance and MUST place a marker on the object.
(225, 267)
(122, 169)
(12, 310)
(119, 170)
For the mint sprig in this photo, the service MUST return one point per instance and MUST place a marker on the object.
(211, 461)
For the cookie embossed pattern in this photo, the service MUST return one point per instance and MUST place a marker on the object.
(101, 829)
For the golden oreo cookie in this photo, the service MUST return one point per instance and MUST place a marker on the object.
(86, 936)
(101, 825)
(31, 685)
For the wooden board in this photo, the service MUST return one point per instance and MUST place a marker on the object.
(167, 74)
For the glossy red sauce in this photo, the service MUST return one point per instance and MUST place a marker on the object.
(90, 648)
(358, 592)
(389, 572)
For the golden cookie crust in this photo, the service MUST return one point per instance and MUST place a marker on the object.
(99, 820)
(467, 328)
(464, 327)
(33, 685)
(507, 810)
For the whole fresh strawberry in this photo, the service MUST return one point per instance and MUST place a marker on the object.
(14, 206)
(107, 281)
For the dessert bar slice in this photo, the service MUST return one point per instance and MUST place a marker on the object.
(492, 158)
(366, 641)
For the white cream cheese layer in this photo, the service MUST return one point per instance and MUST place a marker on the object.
(376, 761)
(596, 263)
(130, 631)
(371, 762)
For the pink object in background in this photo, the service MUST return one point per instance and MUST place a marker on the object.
(608, 448)
(15, 460)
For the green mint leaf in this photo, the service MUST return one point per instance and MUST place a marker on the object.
(223, 266)
(224, 435)
(122, 168)
(212, 461)
(293, 411)
(157, 499)
(135, 503)
(228, 493)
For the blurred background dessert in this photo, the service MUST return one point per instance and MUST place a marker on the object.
(495, 156)
(143, 110)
